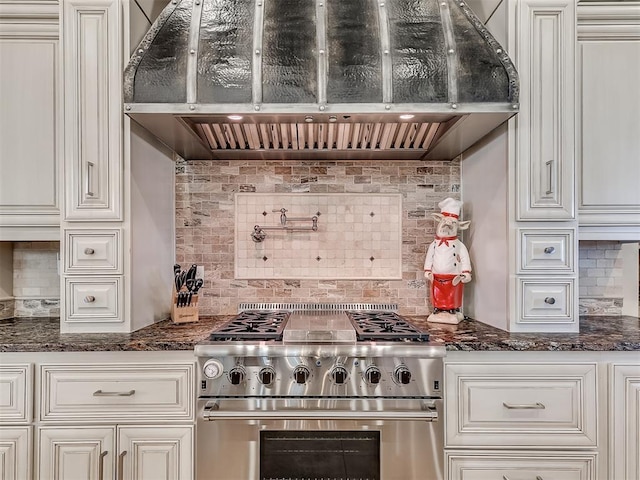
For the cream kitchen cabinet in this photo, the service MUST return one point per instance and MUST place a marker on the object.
(131, 419)
(16, 403)
(120, 453)
(30, 121)
(624, 433)
(519, 181)
(608, 110)
(521, 416)
(521, 466)
(117, 237)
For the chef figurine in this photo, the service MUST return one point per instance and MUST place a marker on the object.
(447, 265)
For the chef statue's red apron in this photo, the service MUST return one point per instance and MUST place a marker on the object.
(447, 265)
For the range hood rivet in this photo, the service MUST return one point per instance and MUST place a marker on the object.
(515, 105)
(499, 50)
(256, 107)
(257, 52)
(454, 105)
(321, 52)
(192, 107)
(386, 52)
(387, 107)
(192, 51)
(322, 107)
(451, 50)
(128, 107)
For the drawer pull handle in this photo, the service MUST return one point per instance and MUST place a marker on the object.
(121, 465)
(90, 166)
(549, 250)
(101, 466)
(89, 251)
(100, 393)
(549, 300)
(524, 406)
(89, 299)
(538, 477)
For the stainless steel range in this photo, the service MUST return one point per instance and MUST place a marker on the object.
(319, 391)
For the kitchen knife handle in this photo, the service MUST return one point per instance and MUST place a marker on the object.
(100, 393)
(524, 406)
(101, 465)
(90, 166)
(121, 465)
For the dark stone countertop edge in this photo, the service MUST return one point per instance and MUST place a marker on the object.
(597, 334)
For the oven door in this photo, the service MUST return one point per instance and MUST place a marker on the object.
(390, 443)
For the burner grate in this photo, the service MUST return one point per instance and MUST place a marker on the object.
(384, 326)
(253, 325)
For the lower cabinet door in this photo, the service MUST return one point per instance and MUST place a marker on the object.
(152, 453)
(76, 453)
(15, 453)
(521, 466)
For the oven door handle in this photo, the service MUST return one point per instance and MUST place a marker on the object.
(213, 411)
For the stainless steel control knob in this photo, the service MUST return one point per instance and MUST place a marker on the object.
(266, 375)
(237, 375)
(372, 375)
(301, 374)
(402, 375)
(339, 375)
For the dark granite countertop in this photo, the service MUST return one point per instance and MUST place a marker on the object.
(596, 334)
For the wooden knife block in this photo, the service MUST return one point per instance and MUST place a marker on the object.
(184, 314)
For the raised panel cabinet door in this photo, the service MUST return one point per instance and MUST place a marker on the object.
(76, 453)
(608, 143)
(525, 465)
(93, 120)
(624, 434)
(15, 393)
(30, 147)
(544, 145)
(15, 453)
(152, 453)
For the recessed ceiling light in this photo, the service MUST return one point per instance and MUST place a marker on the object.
(406, 116)
(235, 117)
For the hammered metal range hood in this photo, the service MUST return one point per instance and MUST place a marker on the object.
(313, 79)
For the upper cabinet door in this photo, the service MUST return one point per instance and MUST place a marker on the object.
(93, 119)
(608, 143)
(544, 143)
(30, 144)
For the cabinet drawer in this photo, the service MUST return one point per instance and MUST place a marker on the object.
(521, 405)
(93, 299)
(90, 251)
(105, 392)
(15, 393)
(542, 300)
(526, 466)
(548, 251)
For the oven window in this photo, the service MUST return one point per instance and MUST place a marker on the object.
(313, 454)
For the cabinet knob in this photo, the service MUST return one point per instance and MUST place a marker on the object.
(89, 299)
(89, 251)
(549, 250)
(549, 300)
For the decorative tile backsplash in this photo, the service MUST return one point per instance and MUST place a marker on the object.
(294, 236)
(206, 220)
(601, 278)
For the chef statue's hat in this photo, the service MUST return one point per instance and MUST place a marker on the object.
(450, 207)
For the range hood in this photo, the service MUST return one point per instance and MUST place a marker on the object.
(313, 79)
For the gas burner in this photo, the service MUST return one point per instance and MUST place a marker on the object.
(253, 325)
(387, 326)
